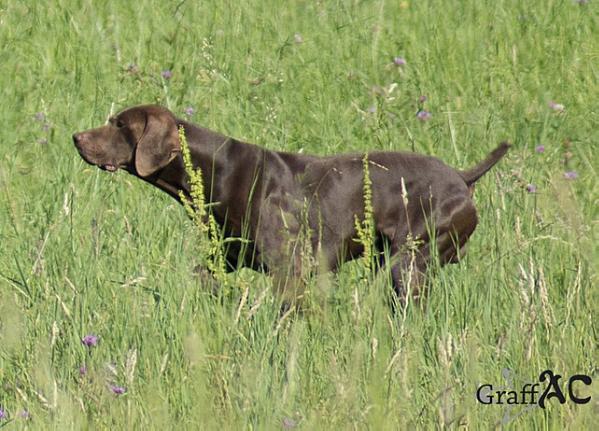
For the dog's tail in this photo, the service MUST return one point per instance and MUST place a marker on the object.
(471, 175)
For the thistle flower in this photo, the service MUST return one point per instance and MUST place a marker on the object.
(571, 175)
(189, 111)
(289, 423)
(540, 148)
(371, 109)
(400, 61)
(531, 188)
(422, 99)
(558, 107)
(3, 414)
(90, 340)
(118, 390)
(82, 370)
(166, 74)
(423, 115)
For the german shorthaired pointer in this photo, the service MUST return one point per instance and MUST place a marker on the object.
(270, 197)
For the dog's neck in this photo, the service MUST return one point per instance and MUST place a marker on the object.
(219, 159)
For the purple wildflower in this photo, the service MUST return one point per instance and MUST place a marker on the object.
(289, 423)
(371, 109)
(531, 188)
(540, 148)
(558, 107)
(25, 414)
(189, 111)
(571, 175)
(90, 340)
(166, 74)
(399, 61)
(118, 390)
(82, 370)
(3, 414)
(422, 99)
(423, 115)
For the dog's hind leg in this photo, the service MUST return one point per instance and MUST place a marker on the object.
(455, 220)
(456, 227)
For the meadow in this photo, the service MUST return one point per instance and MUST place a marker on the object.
(105, 325)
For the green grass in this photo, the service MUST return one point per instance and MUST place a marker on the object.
(85, 252)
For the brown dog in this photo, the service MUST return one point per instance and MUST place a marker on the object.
(268, 196)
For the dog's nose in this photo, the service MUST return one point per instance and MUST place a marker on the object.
(77, 138)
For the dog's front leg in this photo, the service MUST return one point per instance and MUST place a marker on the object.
(277, 239)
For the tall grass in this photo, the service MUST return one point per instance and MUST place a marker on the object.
(85, 252)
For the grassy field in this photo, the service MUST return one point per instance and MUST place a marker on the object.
(86, 253)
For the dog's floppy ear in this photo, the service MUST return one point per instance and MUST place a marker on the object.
(159, 142)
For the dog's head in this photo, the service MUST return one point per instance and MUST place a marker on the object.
(142, 139)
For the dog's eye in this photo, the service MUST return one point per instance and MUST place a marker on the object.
(115, 122)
